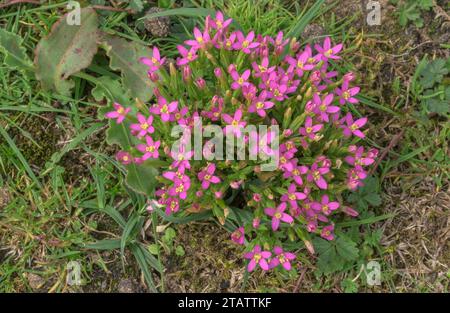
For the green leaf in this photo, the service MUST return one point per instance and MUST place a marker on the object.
(65, 51)
(437, 105)
(349, 286)
(124, 57)
(127, 231)
(153, 249)
(346, 248)
(305, 19)
(110, 89)
(179, 251)
(433, 73)
(142, 262)
(141, 178)
(106, 244)
(328, 261)
(15, 54)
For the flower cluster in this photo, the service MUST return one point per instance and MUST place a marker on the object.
(231, 79)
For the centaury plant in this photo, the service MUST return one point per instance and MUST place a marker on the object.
(280, 110)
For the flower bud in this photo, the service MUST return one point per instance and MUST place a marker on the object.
(200, 83)
(256, 222)
(153, 77)
(187, 73)
(218, 72)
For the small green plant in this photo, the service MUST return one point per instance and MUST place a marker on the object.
(168, 243)
(432, 85)
(410, 11)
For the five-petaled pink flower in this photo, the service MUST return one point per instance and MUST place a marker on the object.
(150, 149)
(282, 257)
(235, 125)
(347, 94)
(187, 56)
(201, 39)
(292, 196)
(144, 126)
(164, 109)
(352, 127)
(155, 62)
(219, 22)
(257, 257)
(325, 206)
(119, 113)
(259, 104)
(326, 51)
(245, 43)
(327, 232)
(315, 174)
(239, 80)
(278, 215)
(310, 130)
(207, 177)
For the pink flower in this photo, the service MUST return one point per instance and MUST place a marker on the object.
(282, 258)
(144, 126)
(258, 257)
(235, 125)
(327, 232)
(278, 215)
(201, 39)
(119, 113)
(178, 116)
(310, 130)
(164, 109)
(279, 42)
(325, 206)
(326, 51)
(155, 62)
(292, 196)
(245, 43)
(181, 158)
(352, 127)
(207, 176)
(180, 188)
(124, 157)
(346, 94)
(263, 68)
(300, 64)
(259, 104)
(315, 174)
(323, 107)
(150, 150)
(172, 205)
(296, 173)
(187, 56)
(219, 22)
(239, 81)
(238, 236)
(358, 159)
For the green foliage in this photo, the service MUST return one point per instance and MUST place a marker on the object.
(67, 50)
(15, 54)
(167, 242)
(432, 85)
(124, 57)
(369, 194)
(335, 254)
(411, 11)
